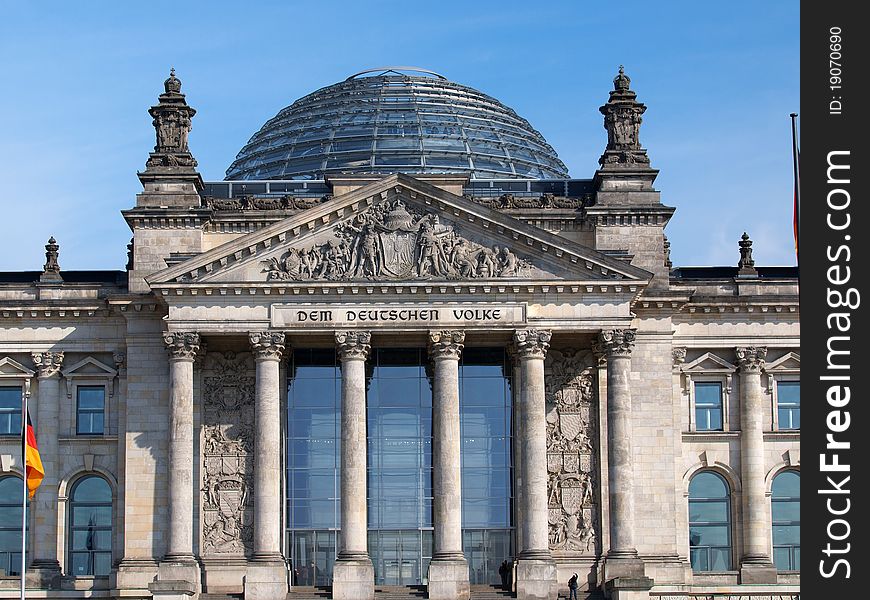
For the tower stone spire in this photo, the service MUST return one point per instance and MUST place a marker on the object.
(51, 268)
(172, 123)
(746, 264)
(622, 119)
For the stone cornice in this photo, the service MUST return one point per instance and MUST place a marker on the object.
(267, 345)
(353, 345)
(446, 344)
(167, 218)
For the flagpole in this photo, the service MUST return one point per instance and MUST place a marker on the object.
(24, 480)
(797, 179)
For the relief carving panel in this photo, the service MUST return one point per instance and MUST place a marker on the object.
(227, 444)
(571, 454)
(394, 242)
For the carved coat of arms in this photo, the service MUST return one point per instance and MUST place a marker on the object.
(571, 435)
(393, 241)
(227, 459)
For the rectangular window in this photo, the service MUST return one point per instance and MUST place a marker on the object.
(788, 401)
(90, 409)
(708, 406)
(10, 411)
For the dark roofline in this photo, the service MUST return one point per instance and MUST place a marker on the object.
(101, 277)
(731, 272)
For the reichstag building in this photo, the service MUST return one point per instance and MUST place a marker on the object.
(399, 352)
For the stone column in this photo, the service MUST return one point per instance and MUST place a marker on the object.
(536, 570)
(353, 575)
(448, 570)
(178, 574)
(44, 504)
(755, 565)
(623, 568)
(266, 578)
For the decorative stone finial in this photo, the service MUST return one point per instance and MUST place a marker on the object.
(621, 82)
(51, 268)
(746, 264)
(173, 84)
(622, 119)
(172, 124)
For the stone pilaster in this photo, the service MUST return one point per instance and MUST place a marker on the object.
(536, 569)
(267, 578)
(178, 575)
(44, 504)
(623, 568)
(353, 576)
(448, 570)
(755, 564)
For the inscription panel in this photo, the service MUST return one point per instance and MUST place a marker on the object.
(424, 316)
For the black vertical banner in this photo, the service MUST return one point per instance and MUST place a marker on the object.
(835, 300)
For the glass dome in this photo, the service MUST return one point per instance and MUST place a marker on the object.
(387, 121)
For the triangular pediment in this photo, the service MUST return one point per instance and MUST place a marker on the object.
(89, 367)
(710, 363)
(400, 229)
(788, 362)
(10, 368)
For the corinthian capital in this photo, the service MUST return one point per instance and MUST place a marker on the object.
(532, 343)
(617, 342)
(267, 345)
(751, 358)
(446, 344)
(47, 363)
(353, 344)
(182, 345)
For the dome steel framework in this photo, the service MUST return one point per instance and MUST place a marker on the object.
(396, 122)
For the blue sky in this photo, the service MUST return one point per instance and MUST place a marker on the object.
(719, 80)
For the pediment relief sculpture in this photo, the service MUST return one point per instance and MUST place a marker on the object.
(395, 242)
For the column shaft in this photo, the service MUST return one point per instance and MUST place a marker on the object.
(353, 350)
(616, 345)
(756, 524)
(268, 348)
(531, 349)
(444, 349)
(45, 516)
(183, 348)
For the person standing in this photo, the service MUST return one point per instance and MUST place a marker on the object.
(572, 587)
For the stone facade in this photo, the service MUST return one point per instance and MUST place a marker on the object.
(607, 342)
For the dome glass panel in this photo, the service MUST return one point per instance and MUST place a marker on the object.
(386, 121)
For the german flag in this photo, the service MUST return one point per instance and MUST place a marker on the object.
(33, 463)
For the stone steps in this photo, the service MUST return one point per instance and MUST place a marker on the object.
(478, 592)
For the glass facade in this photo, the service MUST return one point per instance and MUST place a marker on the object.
(485, 419)
(393, 122)
(399, 433)
(709, 523)
(313, 461)
(786, 513)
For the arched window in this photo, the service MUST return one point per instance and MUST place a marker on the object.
(786, 511)
(90, 535)
(709, 523)
(11, 495)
